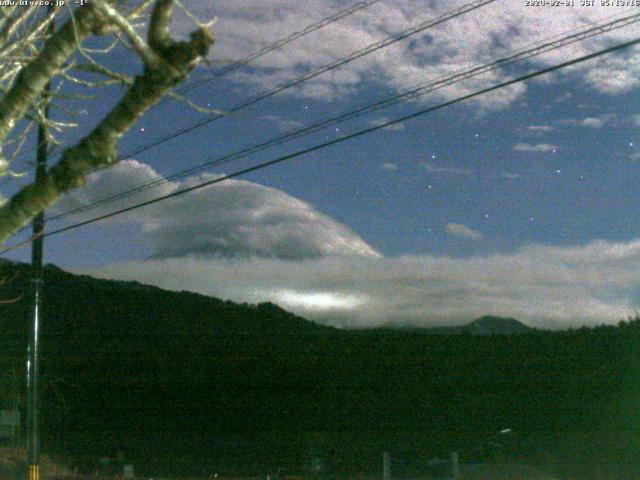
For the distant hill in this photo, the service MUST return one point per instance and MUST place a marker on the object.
(222, 317)
(132, 306)
(490, 325)
(483, 326)
(183, 383)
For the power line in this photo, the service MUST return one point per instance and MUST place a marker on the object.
(280, 43)
(538, 48)
(314, 73)
(275, 45)
(451, 14)
(341, 139)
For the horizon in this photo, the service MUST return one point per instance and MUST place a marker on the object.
(321, 240)
(391, 325)
(512, 202)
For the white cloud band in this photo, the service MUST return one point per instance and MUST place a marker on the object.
(548, 287)
(246, 242)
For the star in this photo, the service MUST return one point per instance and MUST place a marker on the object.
(142, 130)
(433, 156)
(477, 135)
(486, 215)
(429, 187)
(631, 144)
(531, 219)
(558, 171)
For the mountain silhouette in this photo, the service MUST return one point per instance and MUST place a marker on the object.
(181, 382)
(487, 325)
(491, 325)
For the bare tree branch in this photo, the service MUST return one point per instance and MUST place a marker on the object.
(139, 9)
(14, 22)
(139, 45)
(173, 60)
(159, 28)
(33, 78)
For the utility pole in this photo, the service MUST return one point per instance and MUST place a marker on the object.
(386, 466)
(37, 280)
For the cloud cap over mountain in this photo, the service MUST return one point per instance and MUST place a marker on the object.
(237, 218)
(233, 218)
(246, 242)
(543, 286)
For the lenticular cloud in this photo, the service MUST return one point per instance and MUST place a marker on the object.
(234, 218)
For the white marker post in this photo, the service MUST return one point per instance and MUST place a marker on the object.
(386, 466)
(455, 465)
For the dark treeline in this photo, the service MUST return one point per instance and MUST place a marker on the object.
(180, 381)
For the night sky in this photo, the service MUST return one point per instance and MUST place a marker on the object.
(522, 202)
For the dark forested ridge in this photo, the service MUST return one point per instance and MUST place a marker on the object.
(180, 380)
(483, 326)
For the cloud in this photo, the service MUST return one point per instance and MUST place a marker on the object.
(125, 176)
(489, 33)
(389, 167)
(544, 286)
(615, 74)
(396, 127)
(511, 176)
(535, 148)
(564, 97)
(460, 230)
(539, 129)
(431, 168)
(246, 242)
(590, 122)
(282, 123)
(234, 218)
(635, 157)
